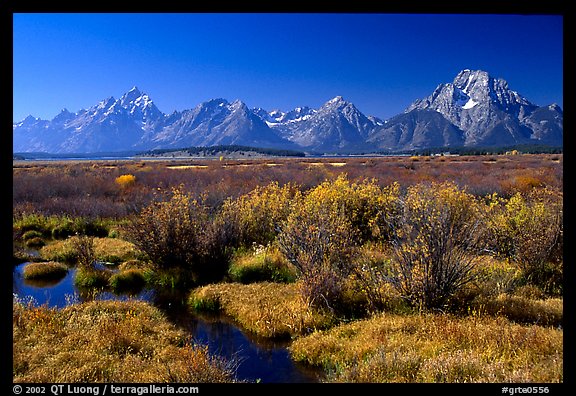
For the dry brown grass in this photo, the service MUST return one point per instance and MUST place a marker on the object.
(435, 348)
(265, 308)
(107, 341)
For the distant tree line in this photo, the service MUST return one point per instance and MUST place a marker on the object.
(213, 150)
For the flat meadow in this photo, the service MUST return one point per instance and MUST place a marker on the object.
(375, 269)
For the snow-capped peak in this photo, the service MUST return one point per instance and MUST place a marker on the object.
(130, 96)
(336, 100)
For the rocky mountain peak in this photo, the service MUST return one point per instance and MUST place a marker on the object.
(474, 109)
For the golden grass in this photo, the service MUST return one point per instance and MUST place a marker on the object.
(265, 308)
(546, 312)
(435, 348)
(45, 270)
(113, 250)
(107, 341)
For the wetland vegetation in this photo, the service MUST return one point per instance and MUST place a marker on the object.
(370, 269)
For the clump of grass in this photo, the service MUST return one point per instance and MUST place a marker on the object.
(127, 280)
(35, 222)
(62, 251)
(169, 278)
(434, 348)
(108, 341)
(31, 234)
(546, 312)
(267, 309)
(264, 263)
(45, 270)
(115, 250)
(90, 277)
(35, 243)
(112, 250)
(132, 264)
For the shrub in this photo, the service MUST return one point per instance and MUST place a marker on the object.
(125, 181)
(435, 247)
(370, 277)
(372, 211)
(528, 229)
(257, 215)
(320, 242)
(84, 248)
(180, 232)
(495, 276)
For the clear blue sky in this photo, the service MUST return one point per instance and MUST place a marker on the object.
(380, 62)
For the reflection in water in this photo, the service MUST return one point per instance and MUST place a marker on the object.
(258, 358)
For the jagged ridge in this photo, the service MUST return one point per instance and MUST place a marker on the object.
(475, 109)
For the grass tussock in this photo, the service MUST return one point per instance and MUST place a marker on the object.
(264, 263)
(113, 250)
(267, 309)
(521, 309)
(435, 348)
(45, 270)
(107, 341)
(90, 277)
(128, 280)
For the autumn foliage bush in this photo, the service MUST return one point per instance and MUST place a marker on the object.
(528, 229)
(326, 226)
(180, 232)
(431, 217)
(125, 181)
(436, 245)
(257, 215)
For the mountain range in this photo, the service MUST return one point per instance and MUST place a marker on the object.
(475, 109)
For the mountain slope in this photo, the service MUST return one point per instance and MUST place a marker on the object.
(337, 125)
(475, 109)
(489, 112)
(417, 129)
(218, 122)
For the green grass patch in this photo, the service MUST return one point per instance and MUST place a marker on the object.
(62, 227)
(92, 278)
(128, 280)
(263, 264)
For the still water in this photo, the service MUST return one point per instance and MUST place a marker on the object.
(259, 359)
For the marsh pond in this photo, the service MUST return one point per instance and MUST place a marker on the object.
(260, 359)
